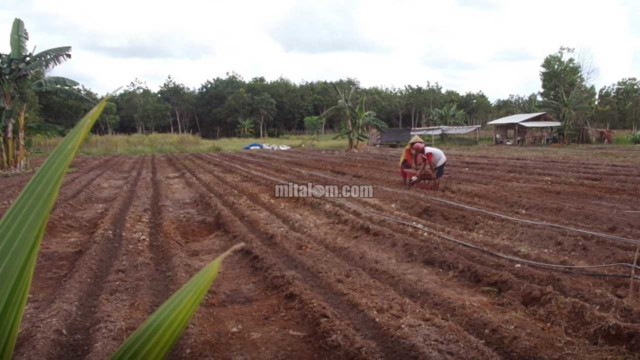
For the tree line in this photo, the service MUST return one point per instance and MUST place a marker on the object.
(232, 106)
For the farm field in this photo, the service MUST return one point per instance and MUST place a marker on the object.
(406, 274)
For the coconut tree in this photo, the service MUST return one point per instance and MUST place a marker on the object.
(22, 71)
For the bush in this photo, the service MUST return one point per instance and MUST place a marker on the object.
(635, 138)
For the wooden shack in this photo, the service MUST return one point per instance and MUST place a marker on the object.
(523, 129)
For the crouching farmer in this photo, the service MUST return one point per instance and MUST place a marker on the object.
(408, 167)
(432, 157)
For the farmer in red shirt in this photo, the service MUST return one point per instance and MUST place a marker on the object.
(407, 161)
(436, 160)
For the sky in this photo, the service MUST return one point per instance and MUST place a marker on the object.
(493, 46)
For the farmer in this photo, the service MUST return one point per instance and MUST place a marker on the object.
(436, 160)
(406, 160)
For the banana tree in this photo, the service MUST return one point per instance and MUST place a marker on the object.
(22, 71)
(569, 109)
(245, 128)
(356, 120)
(448, 115)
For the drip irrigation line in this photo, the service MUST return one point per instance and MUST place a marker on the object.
(530, 222)
(549, 266)
(539, 223)
(557, 267)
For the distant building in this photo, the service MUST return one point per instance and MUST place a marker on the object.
(390, 137)
(523, 129)
(400, 136)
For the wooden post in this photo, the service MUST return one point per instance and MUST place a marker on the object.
(478, 136)
(494, 134)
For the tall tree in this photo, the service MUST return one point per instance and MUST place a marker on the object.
(477, 108)
(181, 101)
(627, 100)
(142, 110)
(264, 108)
(210, 107)
(565, 91)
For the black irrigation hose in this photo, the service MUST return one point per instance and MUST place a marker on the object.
(531, 222)
(555, 267)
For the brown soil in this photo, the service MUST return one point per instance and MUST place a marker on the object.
(406, 274)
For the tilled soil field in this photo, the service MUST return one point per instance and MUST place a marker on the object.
(501, 263)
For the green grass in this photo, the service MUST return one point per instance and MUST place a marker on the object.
(172, 143)
(324, 142)
(627, 137)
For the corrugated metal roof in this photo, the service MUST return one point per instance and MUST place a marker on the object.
(427, 131)
(515, 119)
(541, 124)
(459, 130)
(451, 130)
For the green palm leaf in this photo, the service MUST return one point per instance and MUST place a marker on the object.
(22, 229)
(161, 331)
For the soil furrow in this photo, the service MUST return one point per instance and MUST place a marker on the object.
(516, 201)
(341, 278)
(76, 339)
(368, 324)
(630, 329)
(335, 333)
(425, 287)
(103, 168)
(161, 252)
(487, 226)
(67, 239)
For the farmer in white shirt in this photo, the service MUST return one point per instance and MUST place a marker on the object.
(436, 160)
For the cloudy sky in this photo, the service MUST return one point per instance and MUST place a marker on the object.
(495, 46)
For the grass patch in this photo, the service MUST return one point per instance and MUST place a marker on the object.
(627, 138)
(324, 142)
(172, 143)
(131, 144)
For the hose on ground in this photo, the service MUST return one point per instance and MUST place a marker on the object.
(557, 267)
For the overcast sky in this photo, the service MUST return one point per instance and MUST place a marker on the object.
(495, 46)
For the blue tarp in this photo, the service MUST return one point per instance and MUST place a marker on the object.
(253, 146)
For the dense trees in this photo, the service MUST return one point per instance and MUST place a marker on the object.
(232, 106)
(619, 104)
